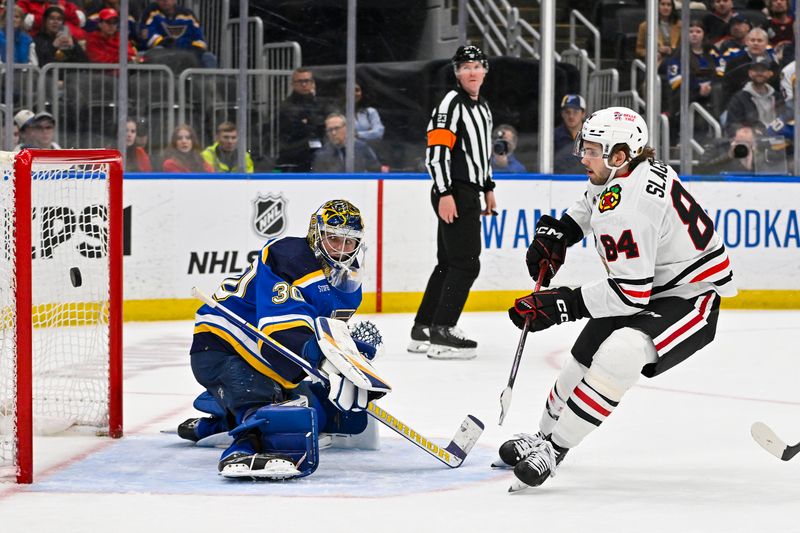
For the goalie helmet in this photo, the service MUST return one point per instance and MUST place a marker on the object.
(336, 235)
(469, 53)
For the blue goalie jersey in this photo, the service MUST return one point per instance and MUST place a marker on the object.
(281, 292)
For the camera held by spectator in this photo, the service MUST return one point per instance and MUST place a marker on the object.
(504, 143)
(500, 145)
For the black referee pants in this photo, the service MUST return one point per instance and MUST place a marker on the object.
(458, 264)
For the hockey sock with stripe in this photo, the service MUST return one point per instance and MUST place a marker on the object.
(570, 375)
(586, 410)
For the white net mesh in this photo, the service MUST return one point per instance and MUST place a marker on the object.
(70, 294)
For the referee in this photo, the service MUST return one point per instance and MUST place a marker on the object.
(458, 158)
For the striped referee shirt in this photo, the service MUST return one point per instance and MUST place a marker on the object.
(460, 143)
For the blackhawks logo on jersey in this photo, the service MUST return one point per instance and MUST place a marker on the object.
(609, 198)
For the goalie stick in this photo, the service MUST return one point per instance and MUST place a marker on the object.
(768, 440)
(505, 396)
(452, 455)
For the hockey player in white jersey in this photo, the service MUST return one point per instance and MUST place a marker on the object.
(667, 269)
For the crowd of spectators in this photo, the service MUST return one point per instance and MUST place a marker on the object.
(740, 71)
(737, 62)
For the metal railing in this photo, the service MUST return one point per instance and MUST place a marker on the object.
(281, 56)
(504, 32)
(207, 97)
(575, 16)
(82, 98)
(629, 99)
(696, 110)
(255, 40)
(213, 16)
(580, 60)
(26, 80)
(493, 22)
(603, 88)
(664, 154)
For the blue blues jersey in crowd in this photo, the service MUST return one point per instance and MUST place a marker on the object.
(181, 30)
(281, 292)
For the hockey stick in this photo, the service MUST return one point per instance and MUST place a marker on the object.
(452, 455)
(768, 440)
(505, 396)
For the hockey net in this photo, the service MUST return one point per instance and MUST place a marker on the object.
(60, 299)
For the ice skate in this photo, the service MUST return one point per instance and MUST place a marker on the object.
(420, 339)
(449, 342)
(515, 450)
(196, 429)
(540, 464)
(257, 466)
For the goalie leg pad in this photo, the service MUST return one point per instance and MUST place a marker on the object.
(206, 403)
(289, 431)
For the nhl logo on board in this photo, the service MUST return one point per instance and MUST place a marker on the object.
(269, 215)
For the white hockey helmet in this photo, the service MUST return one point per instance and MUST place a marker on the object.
(612, 126)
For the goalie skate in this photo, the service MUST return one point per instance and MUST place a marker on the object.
(258, 466)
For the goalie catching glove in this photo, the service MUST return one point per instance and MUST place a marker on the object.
(546, 308)
(353, 381)
(549, 247)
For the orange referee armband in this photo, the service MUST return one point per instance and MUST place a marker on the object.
(441, 137)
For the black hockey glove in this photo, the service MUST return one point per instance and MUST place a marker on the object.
(546, 308)
(549, 247)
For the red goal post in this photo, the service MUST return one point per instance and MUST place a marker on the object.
(60, 298)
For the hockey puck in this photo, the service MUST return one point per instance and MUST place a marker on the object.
(75, 277)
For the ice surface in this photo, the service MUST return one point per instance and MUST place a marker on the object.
(676, 455)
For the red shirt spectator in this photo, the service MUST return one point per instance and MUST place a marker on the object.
(102, 46)
(74, 17)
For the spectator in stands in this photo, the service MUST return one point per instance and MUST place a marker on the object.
(136, 158)
(183, 154)
(716, 23)
(14, 137)
(331, 157)
(21, 120)
(102, 46)
(734, 65)
(505, 140)
(165, 24)
(573, 113)
(779, 24)
(737, 157)
(739, 27)
(55, 42)
(788, 83)
(223, 155)
(702, 62)
(94, 7)
(302, 123)
(368, 121)
(757, 103)
(24, 49)
(669, 32)
(36, 130)
(74, 17)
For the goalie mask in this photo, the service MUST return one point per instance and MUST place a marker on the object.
(336, 235)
